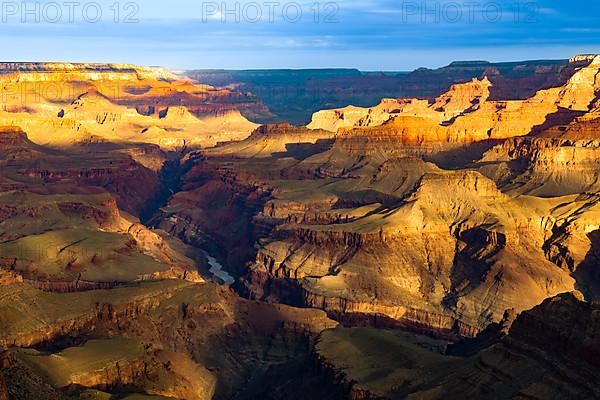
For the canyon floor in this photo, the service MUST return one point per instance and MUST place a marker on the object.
(157, 242)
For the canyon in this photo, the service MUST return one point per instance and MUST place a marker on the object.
(157, 241)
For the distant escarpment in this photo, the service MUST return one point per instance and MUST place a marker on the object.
(294, 95)
(460, 118)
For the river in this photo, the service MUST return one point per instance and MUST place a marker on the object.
(217, 270)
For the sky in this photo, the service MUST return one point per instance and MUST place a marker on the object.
(371, 35)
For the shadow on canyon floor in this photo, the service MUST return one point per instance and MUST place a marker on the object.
(302, 151)
(462, 157)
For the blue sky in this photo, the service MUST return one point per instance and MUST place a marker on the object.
(365, 34)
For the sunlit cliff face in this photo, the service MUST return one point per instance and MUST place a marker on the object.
(61, 104)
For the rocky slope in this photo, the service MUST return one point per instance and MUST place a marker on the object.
(548, 353)
(26, 165)
(279, 139)
(177, 337)
(442, 259)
